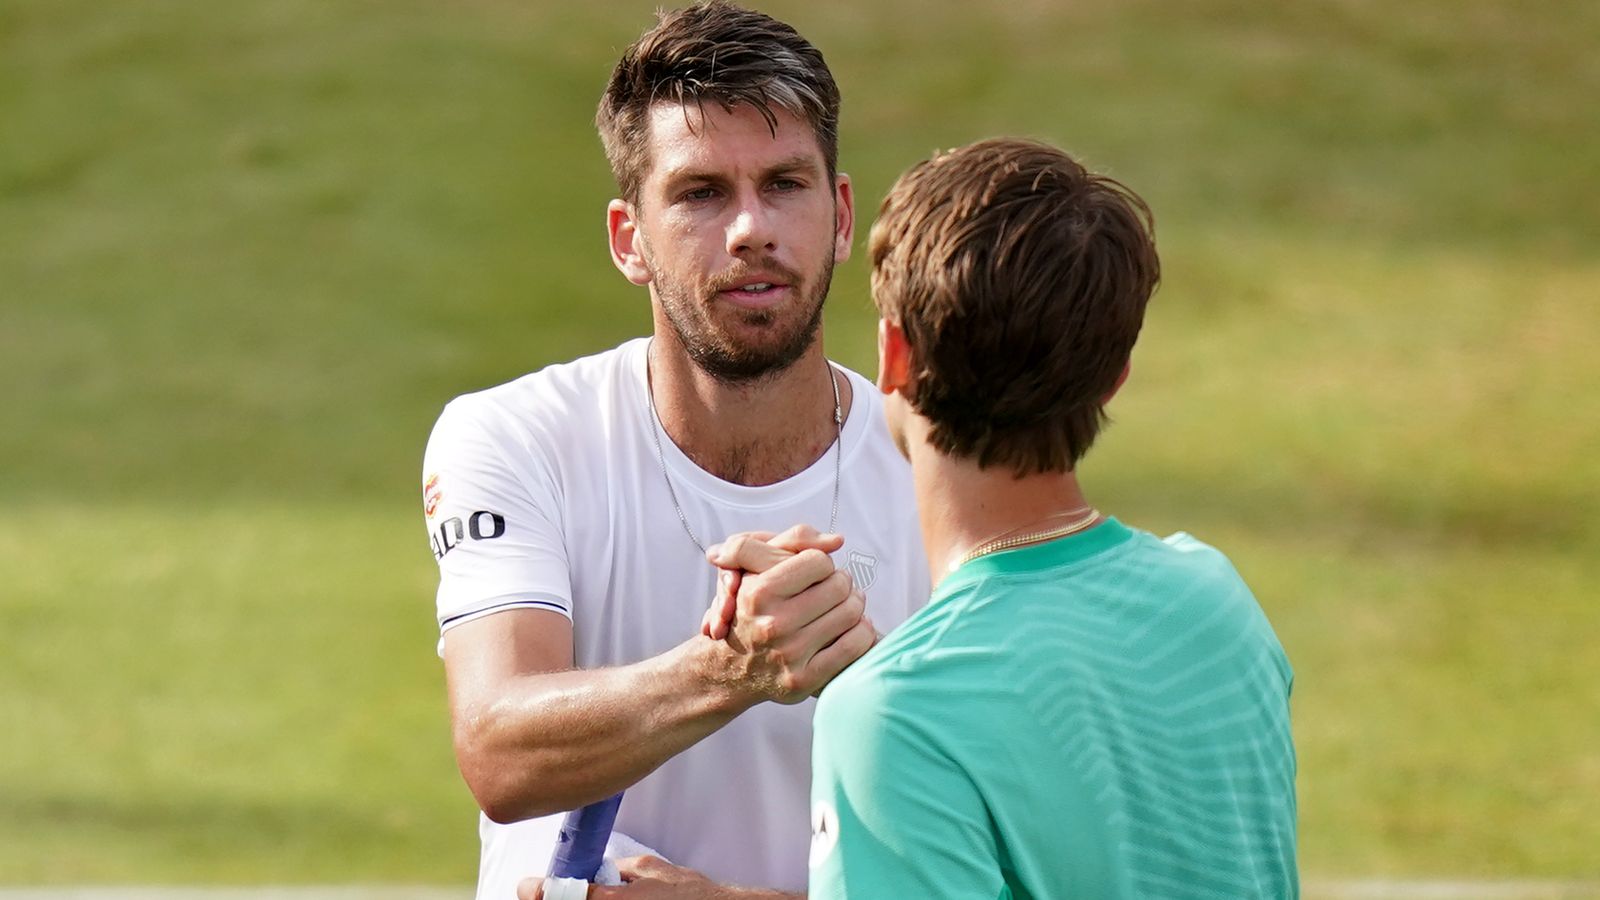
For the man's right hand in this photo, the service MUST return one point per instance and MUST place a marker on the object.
(791, 620)
(653, 878)
(754, 551)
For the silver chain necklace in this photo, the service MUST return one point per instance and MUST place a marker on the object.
(656, 428)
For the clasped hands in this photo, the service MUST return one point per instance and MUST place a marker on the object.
(793, 619)
(789, 621)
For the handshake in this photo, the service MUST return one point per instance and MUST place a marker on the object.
(788, 620)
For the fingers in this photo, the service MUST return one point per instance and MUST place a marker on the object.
(804, 537)
(758, 551)
(780, 643)
(720, 601)
(748, 551)
(722, 610)
(831, 625)
(783, 607)
(719, 615)
(834, 658)
(632, 868)
(792, 578)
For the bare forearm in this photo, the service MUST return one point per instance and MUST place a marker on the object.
(557, 740)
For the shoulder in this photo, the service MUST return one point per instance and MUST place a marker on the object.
(1217, 592)
(1180, 559)
(558, 400)
(864, 720)
(554, 390)
(921, 665)
(1187, 548)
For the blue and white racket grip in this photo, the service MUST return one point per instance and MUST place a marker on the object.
(581, 843)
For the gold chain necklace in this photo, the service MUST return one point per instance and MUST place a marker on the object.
(1002, 542)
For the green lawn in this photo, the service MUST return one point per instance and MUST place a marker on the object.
(248, 250)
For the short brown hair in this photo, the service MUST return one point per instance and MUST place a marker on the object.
(720, 52)
(1020, 280)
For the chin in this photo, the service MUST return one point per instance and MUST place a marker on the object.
(751, 351)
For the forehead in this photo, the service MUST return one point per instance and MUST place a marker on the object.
(714, 140)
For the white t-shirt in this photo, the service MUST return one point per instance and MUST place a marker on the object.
(546, 493)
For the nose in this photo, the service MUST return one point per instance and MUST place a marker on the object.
(752, 228)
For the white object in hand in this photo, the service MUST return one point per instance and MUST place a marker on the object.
(566, 889)
(620, 845)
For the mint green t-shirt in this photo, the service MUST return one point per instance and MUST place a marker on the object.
(1104, 715)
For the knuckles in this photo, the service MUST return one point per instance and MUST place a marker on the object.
(735, 547)
(762, 632)
(755, 596)
(789, 682)
(841, 583)
(811, 556)
(802, 534)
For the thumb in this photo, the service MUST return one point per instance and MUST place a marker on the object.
(804, 537)
(635, 867)
(747, 552)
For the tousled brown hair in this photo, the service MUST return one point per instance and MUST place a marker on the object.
(720, 52)
(1020, 280)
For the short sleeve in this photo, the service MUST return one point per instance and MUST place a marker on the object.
(494, 529)
(893, 815)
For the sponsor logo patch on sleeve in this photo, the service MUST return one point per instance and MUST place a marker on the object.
(824, 832)
(432, 493)
(482, 525)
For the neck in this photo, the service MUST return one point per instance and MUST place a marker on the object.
(754, 433)
(961, 506)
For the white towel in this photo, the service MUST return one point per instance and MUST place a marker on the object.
(620, 845)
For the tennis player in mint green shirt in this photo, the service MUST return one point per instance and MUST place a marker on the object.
(1082, 709)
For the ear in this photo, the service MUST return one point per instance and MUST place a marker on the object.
(894, 358)
(1122, 379)
(627, 244)
(844, 226)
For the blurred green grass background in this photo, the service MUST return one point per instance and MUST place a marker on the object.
(248, 250)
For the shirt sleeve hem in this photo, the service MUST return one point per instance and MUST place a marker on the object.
(452, 620)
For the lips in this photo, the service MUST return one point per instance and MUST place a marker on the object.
(756, 291)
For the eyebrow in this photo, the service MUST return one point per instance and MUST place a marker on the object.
(789, 165)
(794, 163)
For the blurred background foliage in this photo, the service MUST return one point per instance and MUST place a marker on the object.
(248, 250)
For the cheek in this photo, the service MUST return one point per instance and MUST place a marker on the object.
(685, 250)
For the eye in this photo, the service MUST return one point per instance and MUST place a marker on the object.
(700, 194)
(786, 184)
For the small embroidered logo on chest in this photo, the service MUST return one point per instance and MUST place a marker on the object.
(863, 568)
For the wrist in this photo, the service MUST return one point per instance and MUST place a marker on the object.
(719, 675)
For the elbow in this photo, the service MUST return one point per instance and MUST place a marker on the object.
(504, 809)
(507, 786)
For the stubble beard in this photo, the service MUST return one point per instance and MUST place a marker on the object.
(720, 354)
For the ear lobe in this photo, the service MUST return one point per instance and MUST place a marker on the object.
(627, 244)
(894, 358)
